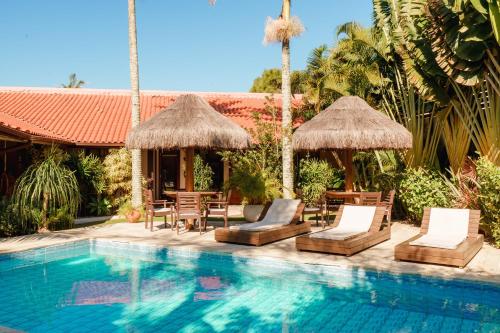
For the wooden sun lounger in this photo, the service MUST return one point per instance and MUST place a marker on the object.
(258, 238)
(348, 246)
(452, 257)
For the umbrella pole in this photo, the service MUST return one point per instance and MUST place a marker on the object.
(349, 171)
(189, 179)
(190, 169)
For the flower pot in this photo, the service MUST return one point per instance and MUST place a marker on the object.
(252, 212)
(133, 217)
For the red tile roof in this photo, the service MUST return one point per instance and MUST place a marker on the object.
(26, 130)
(101, 117)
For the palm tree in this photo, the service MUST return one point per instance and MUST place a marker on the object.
(136, 109)
(283, 30)
(73, 82)
(286, 113)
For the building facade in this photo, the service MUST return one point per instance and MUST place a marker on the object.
(99, 119)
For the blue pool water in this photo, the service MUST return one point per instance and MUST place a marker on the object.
(100, 286)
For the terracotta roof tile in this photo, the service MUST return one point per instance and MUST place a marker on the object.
(30, 130)
(101, 116)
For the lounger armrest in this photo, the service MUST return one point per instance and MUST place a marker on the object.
(297, 218)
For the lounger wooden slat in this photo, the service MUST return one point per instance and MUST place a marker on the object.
(258, 238)
(348, 246)
(433, 255)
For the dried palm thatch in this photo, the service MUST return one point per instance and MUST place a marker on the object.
(280, 30)
(350, 123)
(190, 122)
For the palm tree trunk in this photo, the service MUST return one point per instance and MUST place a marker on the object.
(286, 120)
(136, 109)
(45, 209)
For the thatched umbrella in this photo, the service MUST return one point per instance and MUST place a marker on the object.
(350, 124)
(190, 122)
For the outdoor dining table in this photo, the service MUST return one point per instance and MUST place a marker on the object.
(347, 196)
(173, 195)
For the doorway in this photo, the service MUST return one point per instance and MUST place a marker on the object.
(169, 170)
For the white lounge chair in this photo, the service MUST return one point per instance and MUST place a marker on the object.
(355, 229)
(447, 236)
(281, 220)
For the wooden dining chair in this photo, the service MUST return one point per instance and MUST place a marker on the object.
(189, 208)
(388, 202)
(370, 198)
(218, 208)
(332, 205)
(154, 208)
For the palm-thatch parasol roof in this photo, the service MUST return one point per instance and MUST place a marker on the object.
(190, 122)
(350, 123)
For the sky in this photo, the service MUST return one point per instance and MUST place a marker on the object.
(183, 45)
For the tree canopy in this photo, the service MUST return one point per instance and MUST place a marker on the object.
(270, 82)
(73, 82)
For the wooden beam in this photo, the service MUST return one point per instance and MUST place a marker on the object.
(349, 171)
(15, 148)
(4, 137)
(190, 169)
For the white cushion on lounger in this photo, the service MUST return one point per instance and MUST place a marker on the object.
(354, 220)
(280, 213)
(448, 227)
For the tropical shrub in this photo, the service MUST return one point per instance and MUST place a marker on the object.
(9, 221)
(257, 172)
(60, 219)
(89, 172)
(315, 177)
(421, 188)
(46, 186)
(337, 180)
(255, 185)
(118, 176)
(203, 174)
(376, 171)
(99, 206)
(488, 178)
(463, 186)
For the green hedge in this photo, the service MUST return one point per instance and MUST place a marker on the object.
(420, 188)
(488, 179)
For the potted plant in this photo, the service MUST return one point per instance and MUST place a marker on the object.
(256, 172)
(131, 214)
(256, 188)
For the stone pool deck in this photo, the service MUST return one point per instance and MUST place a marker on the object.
(485, 266)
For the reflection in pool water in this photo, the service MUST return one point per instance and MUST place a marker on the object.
(109, 287)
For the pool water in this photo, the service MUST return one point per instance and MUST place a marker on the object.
(102, 286)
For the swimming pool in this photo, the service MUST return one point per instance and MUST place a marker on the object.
(104, 286)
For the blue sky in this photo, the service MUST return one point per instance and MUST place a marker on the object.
(183, 45)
